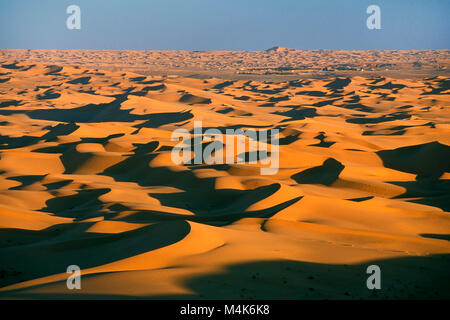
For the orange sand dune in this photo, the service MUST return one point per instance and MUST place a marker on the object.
(86, 178)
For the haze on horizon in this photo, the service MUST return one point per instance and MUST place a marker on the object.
(224, 25)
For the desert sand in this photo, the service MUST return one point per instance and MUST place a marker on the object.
(86, 179)
(275, 63)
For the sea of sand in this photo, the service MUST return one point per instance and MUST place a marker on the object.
(87, 179)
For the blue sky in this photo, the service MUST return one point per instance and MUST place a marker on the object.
(224, 25)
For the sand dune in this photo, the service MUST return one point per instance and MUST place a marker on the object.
(279, 62)
(86, 178)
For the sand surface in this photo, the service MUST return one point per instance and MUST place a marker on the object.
(276, 63)
(86, 178)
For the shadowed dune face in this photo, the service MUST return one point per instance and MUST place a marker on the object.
(86, 178)
(325, 174)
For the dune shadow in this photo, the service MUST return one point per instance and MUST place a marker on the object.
(322, 143)
(357, 107)
(338, 84)
(103, 112)
(389, 86)
(26, 180)
(429, 160)
(429, 192)
(442, 85)
(82, 205)
(52, 250)
(61, 129)
(209, 201)
(411, 278)
(198, 195)
(192, 99)
(81, 80)
(384, 118)
(325, 174)
(7, 142)
(298, 114)
(9, 103)
(402, 278)
(436, 236)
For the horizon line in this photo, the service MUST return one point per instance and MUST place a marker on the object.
(228, 50)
